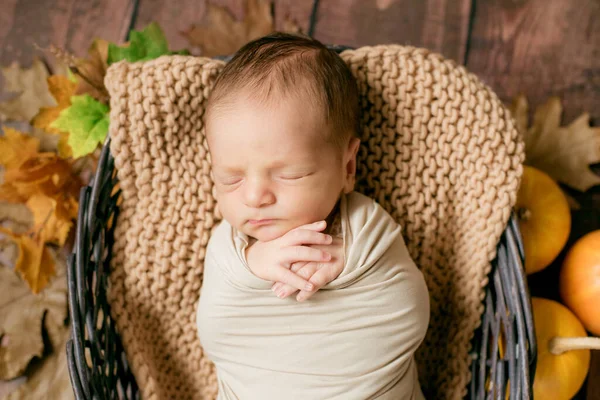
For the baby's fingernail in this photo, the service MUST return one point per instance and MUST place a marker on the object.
(326, 256)
(329, 239)
(280, 294)
(300, 297)
(309, 287)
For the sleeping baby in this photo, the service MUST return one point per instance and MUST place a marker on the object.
(309, 291)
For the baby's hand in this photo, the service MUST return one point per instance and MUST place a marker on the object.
(319, 273)
(272, 260)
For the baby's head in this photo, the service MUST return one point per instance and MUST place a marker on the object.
(282, 128)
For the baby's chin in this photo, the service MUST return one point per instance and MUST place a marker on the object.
(265, 233)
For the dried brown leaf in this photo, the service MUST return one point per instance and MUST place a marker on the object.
(222, 34)
(89, 72)
(47, 378)
(563, 152)
(21, 316)
(31, 88)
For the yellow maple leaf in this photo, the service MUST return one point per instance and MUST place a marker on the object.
(63, 148)
(52, 219)
(563, 152)
(222, 34)
(61, 89)
(16, 148)
(45, 173)
(35, 264)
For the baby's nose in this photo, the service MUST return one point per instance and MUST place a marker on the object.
(258, 194)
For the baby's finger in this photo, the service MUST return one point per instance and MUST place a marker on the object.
(317, 226)
(319, 279)
(286, 276)
(283, 291)
(304, 295)
(298, 265)
(306, 236)
(304, 253)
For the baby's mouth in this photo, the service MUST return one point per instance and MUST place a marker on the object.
(260, 222)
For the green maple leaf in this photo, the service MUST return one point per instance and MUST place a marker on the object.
(148, 44)
(86, 121)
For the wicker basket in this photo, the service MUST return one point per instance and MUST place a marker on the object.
(504, 347)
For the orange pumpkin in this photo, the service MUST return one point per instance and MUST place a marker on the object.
(544, 218)
(557, 376)
(580, 281)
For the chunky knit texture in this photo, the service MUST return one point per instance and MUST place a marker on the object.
(439, 152)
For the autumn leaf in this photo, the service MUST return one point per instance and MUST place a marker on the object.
(23, 318)
(16, 148)
(86, 121)
(34, 262)
(31, 89)
(52, 219)
(50, 377)
(61, 89)
(45, 173)
(21, 329)
(563, 152)
(148, 44)
(88, 73)
(222, 34)
(18, 219)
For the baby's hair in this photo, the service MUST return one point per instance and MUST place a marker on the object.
(283, 64)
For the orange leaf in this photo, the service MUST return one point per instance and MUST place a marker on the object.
(63, 147)
(34, 263)
(61, 89)
(52, 220)
(16, 148)
(44, 173)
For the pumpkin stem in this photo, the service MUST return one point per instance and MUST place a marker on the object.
(559, 345)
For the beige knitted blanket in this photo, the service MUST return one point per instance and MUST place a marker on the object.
(439, 152)
(354, 339)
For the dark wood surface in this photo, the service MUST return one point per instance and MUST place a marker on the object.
(69, 24)
(441, 25)
(538, 47)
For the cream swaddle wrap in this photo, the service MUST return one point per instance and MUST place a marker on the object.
(353, 339)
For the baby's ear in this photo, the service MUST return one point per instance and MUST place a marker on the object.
(350, 160)
(351, 153)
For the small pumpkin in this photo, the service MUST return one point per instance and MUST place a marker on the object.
(544, 218)
(563, 351)
(579, 281)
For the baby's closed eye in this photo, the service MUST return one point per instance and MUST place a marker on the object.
(293, 177)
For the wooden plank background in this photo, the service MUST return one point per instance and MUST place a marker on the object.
(537, 47)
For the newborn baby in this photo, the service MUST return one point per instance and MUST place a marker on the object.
(281, 124)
